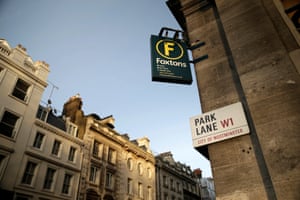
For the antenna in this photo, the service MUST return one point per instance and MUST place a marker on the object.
(52, 89)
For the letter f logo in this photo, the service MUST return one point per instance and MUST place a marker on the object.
(169, 49)
(168, 46)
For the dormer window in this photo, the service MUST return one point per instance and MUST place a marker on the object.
(42, 114)
(72, 129)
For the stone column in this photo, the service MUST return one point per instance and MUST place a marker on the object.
(249, 60)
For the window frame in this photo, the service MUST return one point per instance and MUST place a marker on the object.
(72, 154)
(140, 168)
(172, 186)
(29, 174)
(140, 190)
(43, 114)
(51, 179)
(67, 184)
(280, 7)
(19, 93)
(130, 164)
(2, 72)
(149, 172)
(129, 186)
(111, 156)
(15, 127)
(109, 180)
(3, 162)
(94, 174)
(72, 129)
(97, 149)
(38, 144)
(55, 151)
(178, 187)
(149, 193)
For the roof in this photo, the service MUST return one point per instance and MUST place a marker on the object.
(56, 121)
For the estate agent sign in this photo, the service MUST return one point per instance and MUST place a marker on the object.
(218, 125)
(169, 60)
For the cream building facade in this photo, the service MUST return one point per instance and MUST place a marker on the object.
(72, 156)
(40, 157)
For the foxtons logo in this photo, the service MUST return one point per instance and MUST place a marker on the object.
(169, 49)
(169, 60)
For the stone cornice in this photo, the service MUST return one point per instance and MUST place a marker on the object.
(10, 62)
(54, 162)
(57, 131)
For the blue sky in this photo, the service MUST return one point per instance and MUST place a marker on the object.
(101, 50)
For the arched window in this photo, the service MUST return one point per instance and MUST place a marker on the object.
(130, 164)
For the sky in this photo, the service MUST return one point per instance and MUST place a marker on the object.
(101, 50)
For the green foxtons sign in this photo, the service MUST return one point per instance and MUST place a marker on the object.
(169, 60)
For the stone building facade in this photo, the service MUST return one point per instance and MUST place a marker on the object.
(174, 180)
(114, 167)
(253, 50)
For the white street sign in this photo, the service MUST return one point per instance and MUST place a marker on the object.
(218, 125)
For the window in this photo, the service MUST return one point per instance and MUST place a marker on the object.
(109, 180)
(1, 73)
(291, 8)
(149, 193)
(3, 162)
(166, 197)
(8, 124)
(193, 189)
(140, 168)
(140, 190)
(72, 129)
(2, 157)
(49, 179)
(67, 184)
(56, 147)
(111, 156)
(21, 90)
(130, 164)
(165, 181)
(42, 113)
(29, 173)
(129, 186)
(290, 13)
(149, 172)
(172, 184)
(97, 149)
(38, 140)
(72, 154)
(94, 174)
(178, 187)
